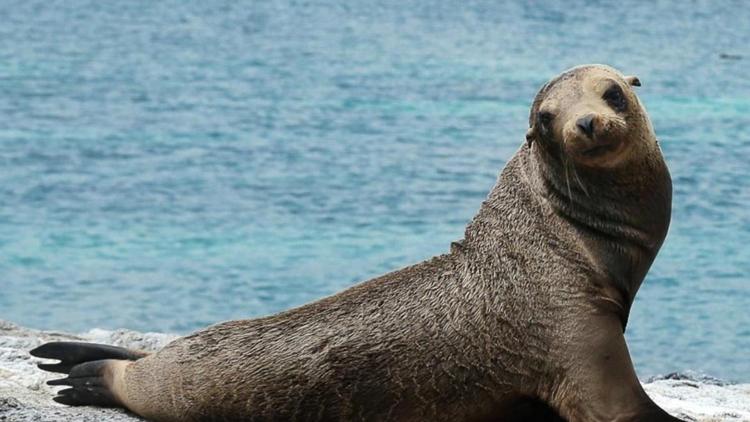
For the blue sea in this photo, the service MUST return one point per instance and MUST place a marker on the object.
(167, 165)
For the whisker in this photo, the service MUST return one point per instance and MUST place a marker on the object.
(567, 177)
(578, 179)
(616, 122)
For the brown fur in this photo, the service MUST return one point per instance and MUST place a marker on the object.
(523, 316)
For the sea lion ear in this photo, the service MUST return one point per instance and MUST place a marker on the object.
(530, 135)
(633, 80)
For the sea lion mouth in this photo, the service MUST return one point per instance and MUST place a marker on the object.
(601, 148)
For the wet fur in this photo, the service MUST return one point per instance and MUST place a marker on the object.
(522, 320)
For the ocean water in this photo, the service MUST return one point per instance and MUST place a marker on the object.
(167, 165)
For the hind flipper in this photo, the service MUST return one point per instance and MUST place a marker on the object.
(71, 353)
(90, 384)
(91, 368)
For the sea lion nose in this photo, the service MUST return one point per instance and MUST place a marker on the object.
(586, 124)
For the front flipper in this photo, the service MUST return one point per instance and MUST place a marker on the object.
(601, 383)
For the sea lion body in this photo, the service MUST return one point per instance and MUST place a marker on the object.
(522, 320)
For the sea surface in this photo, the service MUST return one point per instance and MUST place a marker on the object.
(167, 165)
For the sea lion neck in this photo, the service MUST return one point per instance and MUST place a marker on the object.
(615, 222)
(621, 214)
(628, 205)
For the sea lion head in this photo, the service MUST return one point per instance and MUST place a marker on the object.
(590, 116)
(594, 158)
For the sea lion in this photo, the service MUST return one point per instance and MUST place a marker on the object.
(522, 320)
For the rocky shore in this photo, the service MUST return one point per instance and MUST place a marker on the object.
(24, 396)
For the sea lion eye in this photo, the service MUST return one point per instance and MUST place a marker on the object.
(545, 118)
(615, 98)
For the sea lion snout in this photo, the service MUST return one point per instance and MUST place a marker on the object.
(595, 138)
(586, 124)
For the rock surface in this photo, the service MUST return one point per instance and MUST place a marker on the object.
(24, 396)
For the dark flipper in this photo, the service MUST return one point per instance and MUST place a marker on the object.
(71, 353)
(88, 368)
(89, 386)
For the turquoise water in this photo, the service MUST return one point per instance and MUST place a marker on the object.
(166, 165)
